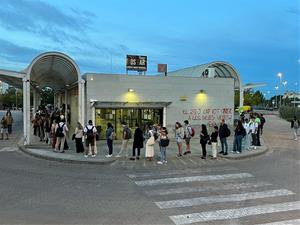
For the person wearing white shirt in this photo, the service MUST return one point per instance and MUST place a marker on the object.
(247, 137)
(253, 126)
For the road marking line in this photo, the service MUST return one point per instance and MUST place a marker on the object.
(222, 198)
(114, 163)
(236, 186)
(193, 162)
(192, 179)
(182, 161)
(186, 171)
(234, 213)
(285, 222)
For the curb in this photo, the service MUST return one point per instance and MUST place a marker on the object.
(71, 161)
(257, 153)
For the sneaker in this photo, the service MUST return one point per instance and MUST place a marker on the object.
(225, 153)
(138, 158)
(108, 156)
(93, 156)
(85, 156)
(159, 162)
(187, 152)
(132, 158)
(61, 151)
(238, 152)
(221, 152)
(118, 156)
(179, 155)
(165, 161)
(203, 157)
(55, 151)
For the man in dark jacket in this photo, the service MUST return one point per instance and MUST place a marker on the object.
(138, 142)
(223, 134)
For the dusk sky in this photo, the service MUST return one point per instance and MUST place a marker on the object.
(258, 37)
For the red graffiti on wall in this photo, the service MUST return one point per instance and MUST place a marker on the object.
(209, 115)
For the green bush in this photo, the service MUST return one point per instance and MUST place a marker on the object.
(288, 113)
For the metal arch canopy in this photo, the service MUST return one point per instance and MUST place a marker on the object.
(53, 69)
(223, 69)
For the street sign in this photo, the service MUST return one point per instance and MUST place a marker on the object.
(136, 62)
(162, 68)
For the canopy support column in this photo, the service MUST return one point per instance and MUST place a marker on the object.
(66, 105)
(241, 97)
(81, 101)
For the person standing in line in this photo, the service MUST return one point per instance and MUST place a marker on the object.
(90, 137)
(110, 136)
(61, 130)
(187, 136)
(204, 137)
(163, 144)
(295, 125)
(53, 135)
(149, 153)
(262, 123)
(179, 135)
(78, 138)
(239, 133)
(4, 128)
(214, 142)
(258, 121)
(126, 136)
(246, 139)
(10, 121)
(253, 126)
(224, 132)
(138, 143)
(47, 129)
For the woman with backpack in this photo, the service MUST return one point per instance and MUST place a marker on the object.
(295, 126)
(163, 144)
(204, 138)
(179, 135)
(110, 136)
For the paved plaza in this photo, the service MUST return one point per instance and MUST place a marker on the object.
(257, 190)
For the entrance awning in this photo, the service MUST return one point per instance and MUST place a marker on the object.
(145, 105)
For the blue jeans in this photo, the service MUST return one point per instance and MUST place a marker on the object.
(237, 143)
(110, 146)
(224, 143)
(163, 154)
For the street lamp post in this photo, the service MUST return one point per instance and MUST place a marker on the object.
(284, 84)
(276, 88)
(296, 84)
(280, 83)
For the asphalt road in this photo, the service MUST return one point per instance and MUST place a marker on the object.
(259, 190)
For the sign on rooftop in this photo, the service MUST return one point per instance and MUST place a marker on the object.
(136, 62)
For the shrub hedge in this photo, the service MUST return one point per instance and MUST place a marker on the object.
(288, 113)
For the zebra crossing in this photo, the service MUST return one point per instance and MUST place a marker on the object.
(225, 196)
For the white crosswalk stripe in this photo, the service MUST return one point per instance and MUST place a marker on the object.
(234, 213)
(176, 192)
(222, 198)
(230, 186)
(285, 222)
(178, 172)
(174, 180)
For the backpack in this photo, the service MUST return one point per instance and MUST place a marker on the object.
(112, 135)
(227, 132)
(90, 133)
(128, 134)
(193, 132)
(60, 131)
(296, 124)
(164, 142)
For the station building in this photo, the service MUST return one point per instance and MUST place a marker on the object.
(202, 94)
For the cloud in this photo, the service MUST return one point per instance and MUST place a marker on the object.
(293, 11)
(44, 19)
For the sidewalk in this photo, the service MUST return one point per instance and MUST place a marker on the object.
(44, 151)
